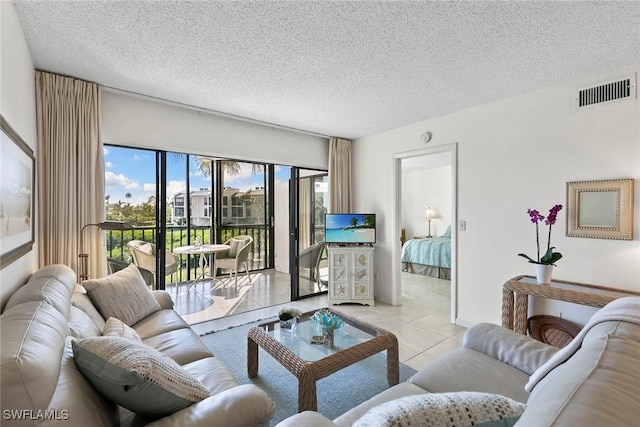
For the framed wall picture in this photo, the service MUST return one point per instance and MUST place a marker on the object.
(600, 209)
(17, 183)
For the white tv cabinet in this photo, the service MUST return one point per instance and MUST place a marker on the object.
(350, 274)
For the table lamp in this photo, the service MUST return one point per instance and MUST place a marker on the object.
(430, 214)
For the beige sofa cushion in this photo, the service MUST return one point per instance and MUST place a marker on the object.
(160, 322)
(469, 370)
(33, 339)
(52, 284)
(598, 386)
(123, 295)
(81, 300)
(81, 325)
(182, 345)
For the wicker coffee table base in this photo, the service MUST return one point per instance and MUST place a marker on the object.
(310, 372)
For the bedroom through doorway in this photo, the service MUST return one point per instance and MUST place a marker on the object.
(426, 223)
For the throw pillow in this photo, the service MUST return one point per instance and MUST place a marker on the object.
(116, 328)
(459, 409)
(235, 246)
(136, 376)
(123, 295)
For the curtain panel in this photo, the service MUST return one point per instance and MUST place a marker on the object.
(70, 162)
(305, 215)
(340, 181)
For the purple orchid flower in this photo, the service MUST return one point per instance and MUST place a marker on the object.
(550, 257)
(534, 216)
(553, 213)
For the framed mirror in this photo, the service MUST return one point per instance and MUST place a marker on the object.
(600, 209)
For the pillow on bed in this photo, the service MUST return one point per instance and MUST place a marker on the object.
(448, 232)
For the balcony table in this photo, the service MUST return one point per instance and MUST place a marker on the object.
(203, 251)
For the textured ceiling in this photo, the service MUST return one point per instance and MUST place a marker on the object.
(346, 69)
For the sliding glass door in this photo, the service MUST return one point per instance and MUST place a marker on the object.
(308, 204)
(131, 195)
(204, 200)
(178, 199)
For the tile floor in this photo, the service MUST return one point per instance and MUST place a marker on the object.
(422, 323)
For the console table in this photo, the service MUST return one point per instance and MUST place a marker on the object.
(516, 292)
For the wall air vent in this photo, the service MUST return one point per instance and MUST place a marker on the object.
(606, 92)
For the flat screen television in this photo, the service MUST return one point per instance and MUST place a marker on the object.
(350, 228)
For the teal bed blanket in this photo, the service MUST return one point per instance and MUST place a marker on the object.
(435, 252)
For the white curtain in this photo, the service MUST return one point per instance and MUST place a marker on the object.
(70, 171)
(304, 235)
(339, 175)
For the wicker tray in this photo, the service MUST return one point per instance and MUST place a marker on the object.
(552, 330)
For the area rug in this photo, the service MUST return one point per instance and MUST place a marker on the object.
(337, 393)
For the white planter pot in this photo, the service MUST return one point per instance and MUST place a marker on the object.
(544, 273)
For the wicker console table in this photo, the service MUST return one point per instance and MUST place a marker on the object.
(311, 362)
(516, 292)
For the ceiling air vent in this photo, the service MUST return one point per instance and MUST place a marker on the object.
(612, 90)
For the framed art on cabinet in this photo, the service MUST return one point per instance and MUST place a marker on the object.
(17, 181)
(600, 209)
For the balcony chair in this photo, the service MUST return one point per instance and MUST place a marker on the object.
(310, 258)
(235, 257)
(144, 256)
(114, 265)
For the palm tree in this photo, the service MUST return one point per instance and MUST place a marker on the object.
(230, 167)
(370, 221)
(353, 222)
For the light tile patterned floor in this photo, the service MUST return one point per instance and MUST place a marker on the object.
(422, 323)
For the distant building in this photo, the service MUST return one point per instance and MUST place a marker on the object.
(238, 207)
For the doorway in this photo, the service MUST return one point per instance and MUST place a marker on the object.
(430, 158)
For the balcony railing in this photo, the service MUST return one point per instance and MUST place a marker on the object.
(117, 249)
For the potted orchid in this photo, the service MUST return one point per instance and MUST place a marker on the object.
(544, 264)
(288, 317)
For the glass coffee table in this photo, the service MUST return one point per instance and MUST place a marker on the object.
(309, 362)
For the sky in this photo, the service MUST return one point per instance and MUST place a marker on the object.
(130, 175)
(342, 220)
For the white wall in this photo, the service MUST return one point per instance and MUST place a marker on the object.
(281, 227)
(514, 154)
(141, 122)
(422, 188)
(17, 105)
